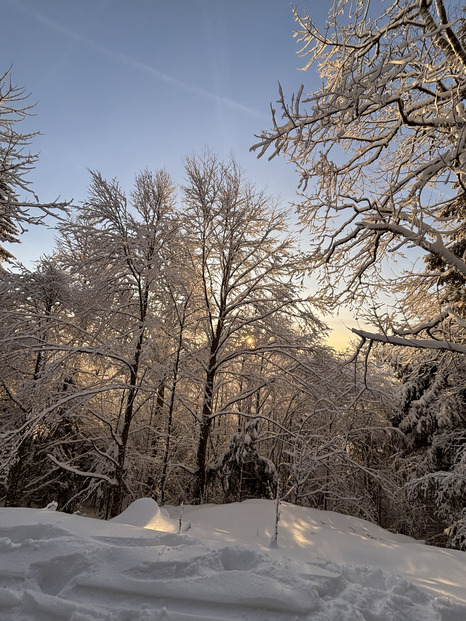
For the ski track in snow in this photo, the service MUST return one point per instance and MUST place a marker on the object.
(60, 567)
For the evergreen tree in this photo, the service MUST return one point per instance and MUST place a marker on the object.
(244, 473)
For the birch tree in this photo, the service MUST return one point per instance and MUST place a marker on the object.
(381, 152)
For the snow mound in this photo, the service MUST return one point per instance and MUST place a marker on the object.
(327, 567)
(146, 513)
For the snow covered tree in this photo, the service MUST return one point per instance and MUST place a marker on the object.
(164, 344)
(337, 449)
(381, 152)
(125, 244)
(245, 473)
(180, 326)
(16, 212)
(34, 309)
(249, 278)
(430, 410)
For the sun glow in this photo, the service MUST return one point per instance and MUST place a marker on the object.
(340, 336)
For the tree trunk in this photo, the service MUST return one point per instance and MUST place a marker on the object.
(117, 496)
(16, 478)
(152, 448)
(171, 408)
(206, 421)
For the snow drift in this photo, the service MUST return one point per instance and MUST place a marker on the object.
(327, 566)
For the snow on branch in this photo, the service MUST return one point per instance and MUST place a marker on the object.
(405, 342)
(436, 321)
(91, 475)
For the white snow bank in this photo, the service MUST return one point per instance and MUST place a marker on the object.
(326, 535)
(327, 567)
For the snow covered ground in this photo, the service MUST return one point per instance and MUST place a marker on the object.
(55, 566)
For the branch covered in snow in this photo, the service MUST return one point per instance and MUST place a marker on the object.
(91, 475)
(405, 342)
(381, 146)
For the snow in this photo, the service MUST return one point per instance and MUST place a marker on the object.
(327, 567)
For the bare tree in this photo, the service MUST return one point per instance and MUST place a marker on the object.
(381, 152)
(33, 307)
(16, 212)
(118, 248)
(249, 276)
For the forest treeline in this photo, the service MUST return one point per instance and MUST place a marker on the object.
(169, 347)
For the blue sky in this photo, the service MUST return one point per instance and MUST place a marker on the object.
(120, 86)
